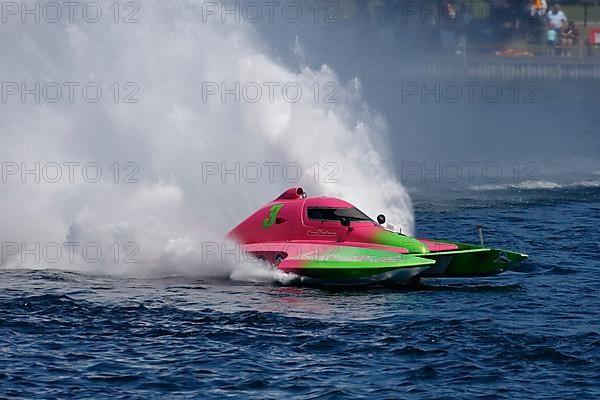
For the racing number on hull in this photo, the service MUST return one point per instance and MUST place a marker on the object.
(273, 211)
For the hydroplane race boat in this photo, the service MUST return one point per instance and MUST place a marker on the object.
(325, 240)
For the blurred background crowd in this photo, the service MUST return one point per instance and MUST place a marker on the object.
(509, 28)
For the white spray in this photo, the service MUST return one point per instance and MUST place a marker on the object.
(163, 187)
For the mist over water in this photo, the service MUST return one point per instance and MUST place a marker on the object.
(181, 145)
(159, 195)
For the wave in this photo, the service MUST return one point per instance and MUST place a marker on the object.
(538, 185)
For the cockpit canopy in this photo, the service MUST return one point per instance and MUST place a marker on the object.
(352, 214)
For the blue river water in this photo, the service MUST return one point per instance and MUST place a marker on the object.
(531, 334)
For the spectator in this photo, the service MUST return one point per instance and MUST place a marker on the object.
(452, 29)
(562, 39)
(536, 8)
(551, 39)
(568, 37)
(556, 17)
(534, 20)
(451, 12)
(530, 10)
(540, 7)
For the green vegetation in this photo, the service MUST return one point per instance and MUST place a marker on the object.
(575, 12)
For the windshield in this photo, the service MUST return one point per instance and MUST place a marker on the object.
(336, 214)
